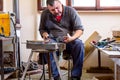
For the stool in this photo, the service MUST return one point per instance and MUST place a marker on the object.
(68, 57)
(49, 66)
(69, 67)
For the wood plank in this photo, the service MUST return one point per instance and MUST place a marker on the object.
(88, 47)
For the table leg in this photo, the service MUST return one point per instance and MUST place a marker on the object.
(28, 63)
(56, 60)
(115, 68)
(1, 60)
(49, 66)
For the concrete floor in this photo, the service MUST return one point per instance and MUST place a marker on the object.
(85, 76)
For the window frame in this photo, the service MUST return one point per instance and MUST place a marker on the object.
(69, 3)
(1, 5)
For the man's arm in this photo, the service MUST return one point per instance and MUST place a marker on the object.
(76, 35)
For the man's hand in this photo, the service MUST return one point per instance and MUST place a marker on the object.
(68, 38)
(46, 37)
(76, 35)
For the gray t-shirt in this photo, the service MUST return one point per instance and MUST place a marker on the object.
(70, 22)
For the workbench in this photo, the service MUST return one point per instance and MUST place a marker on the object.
(114, 55)
(46, 48)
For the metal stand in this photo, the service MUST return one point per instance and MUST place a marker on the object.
(46, 48)
(99, 68)
(43, 63)
(16, 47)
(56, 60)
(28, 63)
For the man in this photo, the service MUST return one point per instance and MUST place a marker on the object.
(62, 24)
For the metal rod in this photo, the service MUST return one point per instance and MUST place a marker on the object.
(16, 10)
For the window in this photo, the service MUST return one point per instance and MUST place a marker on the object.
(107, 3)
(87, 4)
(1, 5)
(96, 4)
(110, 4)
(83, 3)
